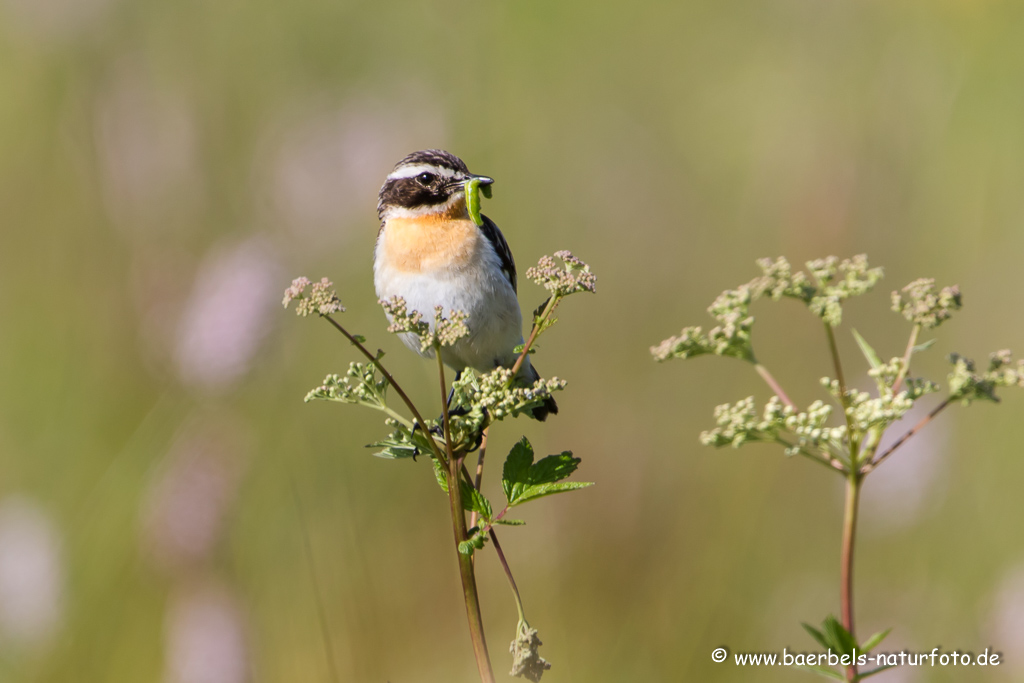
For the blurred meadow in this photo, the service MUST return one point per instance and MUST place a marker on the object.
(171, 510)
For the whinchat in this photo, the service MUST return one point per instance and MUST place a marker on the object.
(431, 253)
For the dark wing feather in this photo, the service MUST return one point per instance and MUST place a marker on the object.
(497, 240)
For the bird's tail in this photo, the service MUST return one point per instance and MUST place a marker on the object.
(549, 407)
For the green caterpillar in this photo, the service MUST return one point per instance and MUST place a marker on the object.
(473, 189)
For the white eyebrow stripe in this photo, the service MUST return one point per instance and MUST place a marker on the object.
(416, 169)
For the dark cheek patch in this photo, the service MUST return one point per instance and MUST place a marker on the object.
(408, 193)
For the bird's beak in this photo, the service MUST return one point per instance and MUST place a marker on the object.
(481, 180)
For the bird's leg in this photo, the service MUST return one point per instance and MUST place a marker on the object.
(451, 392)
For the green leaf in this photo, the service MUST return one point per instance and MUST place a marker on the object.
(553, 468)
(474, 501)
(440, 474)
(524, 480)
(872, 642)
(541, 490)
(924, 347)
(869, 353)
(516, 473)
(872, 672)
(842, 641)
(395, 452)
(822, 671)
(359, 338)
(510, 522)
(474, 542)
(817, 635)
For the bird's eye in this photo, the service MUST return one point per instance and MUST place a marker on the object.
(425, 178)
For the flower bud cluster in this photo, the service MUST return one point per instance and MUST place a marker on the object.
(526, 660)
(856, 279)
(732, 307)
(866, 412)
(779, 280)
(451, 329)
(738, 424)
(886, 373)
(922, 305)
(966, 385)
(574, 276)
(824, 298)
(498, 394)
(359, 385)
(443, 331)
(322, 299)
(730, 338)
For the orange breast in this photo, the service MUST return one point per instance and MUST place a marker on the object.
(431, 242)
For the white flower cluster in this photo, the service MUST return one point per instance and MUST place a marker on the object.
(574, 276)
(922, 305)
(866, 412)
(359, 385)
(732, 307)
(966, 385)
(443, 332)
(738, 424)
(322, 299)
(496, 393)
(730, 338)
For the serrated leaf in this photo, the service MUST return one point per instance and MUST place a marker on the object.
(817, 635)
(869, 353)
(822, 671)
(474, 501)
(872, 642)
(839, 636)
(474, 542)
(872, 672)
(925, 346)
(515, 473)
(541, 490)
(510, 522)
(440, 474)
(553, 468)
(393, 452)
(524, 480)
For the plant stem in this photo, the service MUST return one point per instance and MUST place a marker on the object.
(905, 368)
(479, 472)
(823, 458)
(900, 441)
(508, 575)
(853, 484)
(466, 571)
(854, 443)
(549, 306)
(391, 381)
(767, 377)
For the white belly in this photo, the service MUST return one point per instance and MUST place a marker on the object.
(479, 289)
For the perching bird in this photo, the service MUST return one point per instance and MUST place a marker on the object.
(431, 253)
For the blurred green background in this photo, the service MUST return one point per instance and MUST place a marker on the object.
(167, 167)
